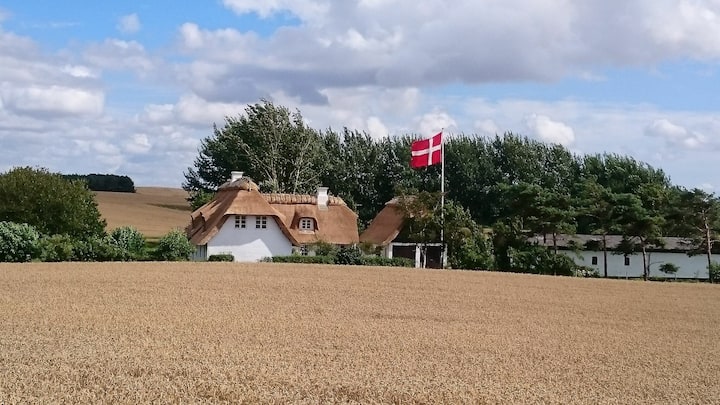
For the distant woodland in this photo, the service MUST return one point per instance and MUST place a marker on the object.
(105, 182)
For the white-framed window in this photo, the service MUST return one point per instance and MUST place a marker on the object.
(594, 260)
(306, 224)
(627, 260)
(240, 221)
(303, 250)
(261, 222)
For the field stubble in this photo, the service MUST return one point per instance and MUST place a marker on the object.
(225, 332)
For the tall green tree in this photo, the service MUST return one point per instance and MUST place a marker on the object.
(600, 209)
(699, 213)
(642, 221)
(269, 143)
(50, 203)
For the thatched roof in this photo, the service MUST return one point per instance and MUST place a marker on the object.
(583, 241)
(335, 223)
(386, 225)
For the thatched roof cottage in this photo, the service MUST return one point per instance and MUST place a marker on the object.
(251, 225)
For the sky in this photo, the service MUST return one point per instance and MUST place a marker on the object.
(131, 88)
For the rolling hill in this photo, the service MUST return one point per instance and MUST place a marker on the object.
(152, 210)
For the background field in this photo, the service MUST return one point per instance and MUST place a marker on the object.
(154, 211)
(229, 332)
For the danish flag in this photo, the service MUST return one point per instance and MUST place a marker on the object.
(426, 152)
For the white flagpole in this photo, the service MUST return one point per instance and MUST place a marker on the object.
(443, 258)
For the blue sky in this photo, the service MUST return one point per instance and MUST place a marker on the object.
(132, 87)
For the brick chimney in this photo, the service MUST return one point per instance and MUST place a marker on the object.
(322, 198)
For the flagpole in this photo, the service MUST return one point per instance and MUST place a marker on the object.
(443, 257)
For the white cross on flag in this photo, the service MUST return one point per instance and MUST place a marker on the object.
(426, 152)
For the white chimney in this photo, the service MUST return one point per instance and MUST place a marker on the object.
(235, 176)
(322, 198)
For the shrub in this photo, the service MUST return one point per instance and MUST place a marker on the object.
(540, 260)
(174, 246)
(130, 241)
(18, 242)
(714, 272)
(324, 248)
(349, 255)
(223, 257)
(385, 261)
(57, 248)
(304, 259)
(97, 249)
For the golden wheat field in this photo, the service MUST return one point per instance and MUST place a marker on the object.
(270, 333)
(154, 211)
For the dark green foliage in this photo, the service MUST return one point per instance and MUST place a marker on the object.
(221, 258)
(349, 255)
(344, 259)
(269, 143)
(105, 182)
(101, 249)
(198, 198)
(303, 259)
(468, 247)
(387, 262)
(540, 260)
(57, 248)
(48, 202)
(324, 249)
(18, 242)
(130, 242)
(669, 268)
(714, 272)
(174, 246)
(62, 248)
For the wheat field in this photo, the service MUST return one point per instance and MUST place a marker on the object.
(154, 211)
(270, 333)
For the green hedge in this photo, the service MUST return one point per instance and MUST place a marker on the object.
(221, 258)
(385, 261)
(304, 259)
(362, 261)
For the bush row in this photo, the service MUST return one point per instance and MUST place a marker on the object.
(22, 243)
(349, 255)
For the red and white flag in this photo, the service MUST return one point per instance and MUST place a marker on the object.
(426, 152)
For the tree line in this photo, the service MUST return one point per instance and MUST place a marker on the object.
(513, 185)
(104, 182)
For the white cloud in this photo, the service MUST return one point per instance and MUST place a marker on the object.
(487, 127)
(53, 100)
(550, 131)
(115, 54)
(129, 24)
(674, 135)
(80, 71)
(376, 128)
(138, 144)
(434, 122)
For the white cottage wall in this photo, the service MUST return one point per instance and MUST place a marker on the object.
(690, 266)
(250, 244)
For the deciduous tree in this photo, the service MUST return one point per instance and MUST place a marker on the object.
(50, 203)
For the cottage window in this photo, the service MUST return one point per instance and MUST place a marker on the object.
(627, 260)
(303, 250)
(306, 224)
(240, 221)
(261, 222)
(594, 260)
